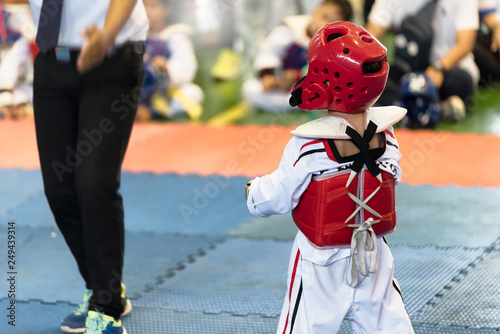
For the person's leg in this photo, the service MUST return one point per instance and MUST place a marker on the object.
(457, 82)
(378, 304)
(455, 94)
(487, 61)
(108, 103)
(56, 122)
(317, 297)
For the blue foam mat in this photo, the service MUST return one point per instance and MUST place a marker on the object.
(186, 204)
(189, 204)
(47, 271)
(444, 249)
(18, 186)
(34, 317)
(214, 205)
(244, 276)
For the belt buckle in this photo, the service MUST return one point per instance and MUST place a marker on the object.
(63, 55)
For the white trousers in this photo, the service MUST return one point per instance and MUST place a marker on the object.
(318, 298)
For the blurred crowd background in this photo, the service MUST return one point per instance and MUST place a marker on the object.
(229, 61)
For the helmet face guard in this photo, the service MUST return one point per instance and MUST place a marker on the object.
(348, 70)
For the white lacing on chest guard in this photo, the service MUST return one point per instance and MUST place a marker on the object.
(363, 236)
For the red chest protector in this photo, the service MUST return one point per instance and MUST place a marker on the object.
(331, 205)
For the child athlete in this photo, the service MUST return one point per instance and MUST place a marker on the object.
(337, 176)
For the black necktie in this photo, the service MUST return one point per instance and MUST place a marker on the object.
(49, 24)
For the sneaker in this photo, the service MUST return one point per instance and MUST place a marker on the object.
(75, 322)
(453, 109)
(99, 323)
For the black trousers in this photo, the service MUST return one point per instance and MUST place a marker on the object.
(487, 61)
(83, 125)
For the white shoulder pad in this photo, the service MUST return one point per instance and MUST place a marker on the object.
(334, 127)
(325, 127)
(178, 28)
(384, 117)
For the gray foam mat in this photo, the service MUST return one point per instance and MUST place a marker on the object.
(239, 277)
(424, 271)
(472, 299)
(162, 321)
(244, 276)
(446, 216)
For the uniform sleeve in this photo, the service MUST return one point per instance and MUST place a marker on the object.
(389, 161)
(487, 7)
(273, 49)
(182, 64)
(279, 192)
(464, 18)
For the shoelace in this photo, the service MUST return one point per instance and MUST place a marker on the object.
(95, 325)
(83, 307)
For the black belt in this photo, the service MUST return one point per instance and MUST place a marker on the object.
(67, 55)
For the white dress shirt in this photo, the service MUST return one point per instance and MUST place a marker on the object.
(450, 16)
(77, 15)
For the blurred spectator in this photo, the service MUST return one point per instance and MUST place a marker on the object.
(487, 49)
(450, 64)
(283, 55)
(170, 65)
(17, 51)
(367, 7)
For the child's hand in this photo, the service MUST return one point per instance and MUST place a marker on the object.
(247, 188)
(160, 63)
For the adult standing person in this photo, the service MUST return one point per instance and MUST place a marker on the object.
(452, 67)
(87, 80)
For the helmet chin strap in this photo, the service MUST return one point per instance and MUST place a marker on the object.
(296, 98)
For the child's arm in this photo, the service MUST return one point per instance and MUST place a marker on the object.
(279, 192)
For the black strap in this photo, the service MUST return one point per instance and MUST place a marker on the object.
(363, 144)
(49, 25)
(319, 150)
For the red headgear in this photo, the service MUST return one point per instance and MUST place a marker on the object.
(348, 70)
